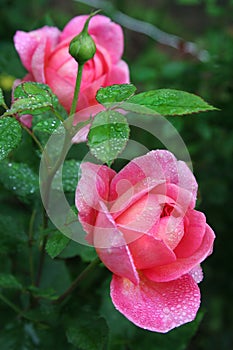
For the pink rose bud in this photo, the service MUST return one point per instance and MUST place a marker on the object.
(145, 229)
(82, 47)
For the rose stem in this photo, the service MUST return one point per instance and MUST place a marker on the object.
(75, 283)
(77, 89)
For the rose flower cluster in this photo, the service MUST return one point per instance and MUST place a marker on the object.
(142, 220)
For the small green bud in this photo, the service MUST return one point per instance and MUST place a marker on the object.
(82, 47)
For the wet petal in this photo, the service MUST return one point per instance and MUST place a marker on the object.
(111, 247)
(157, 307)
(197, 274)
(148, 252)
(119, 74)
(182, 266)
(26, 43)
(194, 227)
(93, 187)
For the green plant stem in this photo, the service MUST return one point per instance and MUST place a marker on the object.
(20, 312)
(77, 89)
(79, 278)
(58, 115)
(30, 245)
(49, 178)
(15, 307)
(52, 172)
(42, 250)
(33, 137)
(10, 304)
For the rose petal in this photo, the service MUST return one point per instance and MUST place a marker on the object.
(119, 74)
(141, 215)
(81, 135)
(92, 188)
(60, 87)
(112, 248)
(194, 227)
(170, 229)
(187, 179)
(26, 120)
(38, 62)
(148, 252)
(182, 266)
(82, 116)
(157, 307)
(197, 273)
(108, 35)
(74, 27)
(26, 43)
(140, 175)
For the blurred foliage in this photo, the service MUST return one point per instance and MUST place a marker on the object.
(209, 138)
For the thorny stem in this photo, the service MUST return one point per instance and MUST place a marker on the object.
(79, 278)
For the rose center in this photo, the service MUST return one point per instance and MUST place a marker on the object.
(167, 210)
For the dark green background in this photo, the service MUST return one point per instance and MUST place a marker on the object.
(208, 136)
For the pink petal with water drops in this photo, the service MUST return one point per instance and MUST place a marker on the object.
(157, 307)
(197, 273)
(148, 252)
(194, 227)
(92, 188)
(111, 247)
(27, 43)
(119, 74)
(183, 266)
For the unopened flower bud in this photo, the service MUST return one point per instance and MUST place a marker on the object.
(82, 47)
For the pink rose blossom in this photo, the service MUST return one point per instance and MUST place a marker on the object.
(44, 53)
(145, 229)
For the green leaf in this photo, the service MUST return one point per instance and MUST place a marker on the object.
(19, 178)
(55, 275)
(170, 102)
(70, 176)
(9, 281)
(32, 98)
(108, 135)
(10, 135)
(18, 336)
(86, 253)
(91, 334)
(48, 126)
(115, 93)
(56, 244)
(12, 231)
(47, 293)
(2, 101)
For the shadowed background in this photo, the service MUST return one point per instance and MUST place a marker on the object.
(160, 60)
